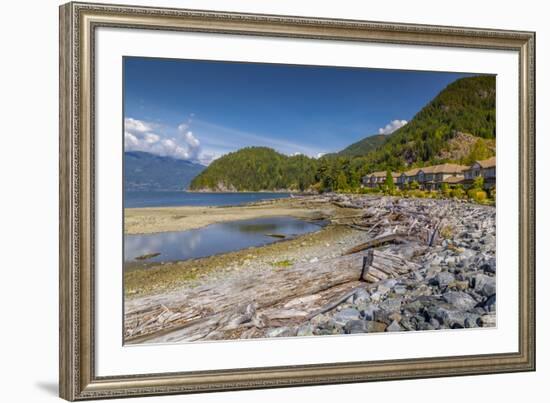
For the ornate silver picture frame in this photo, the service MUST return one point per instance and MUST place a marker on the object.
(78, 25)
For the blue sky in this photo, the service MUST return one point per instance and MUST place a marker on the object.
(200, 110)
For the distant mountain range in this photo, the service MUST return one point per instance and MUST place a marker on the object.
(458, 125)
(149, 172)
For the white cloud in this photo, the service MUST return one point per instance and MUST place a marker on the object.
(319, 155)
(137, 126)
(207, 158)
(191, 140)
(139, 136)
(392, 126)
(193, 144)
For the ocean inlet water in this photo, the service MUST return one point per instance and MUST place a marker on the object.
(172, 199)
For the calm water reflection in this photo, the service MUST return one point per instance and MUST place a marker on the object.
(215, 238)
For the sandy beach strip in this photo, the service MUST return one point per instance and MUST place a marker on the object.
(165, 219)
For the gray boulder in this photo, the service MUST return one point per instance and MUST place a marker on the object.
(490, 303)
(361, 297)
(443, 279)
(305, 330)
(281, 332)
(490, 287)
(375, 327)
(394, 327)
(369, 310)
(460, 300)
(329, 328)
(345, 315)
(391, 304)
(356, 326)
(471, 321)
(490, 266)
(450, 318)
(481, 280)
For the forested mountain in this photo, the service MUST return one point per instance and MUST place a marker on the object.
(257, 168)
(362, 147)
(458, 125)
(145, 171)
(467, 105)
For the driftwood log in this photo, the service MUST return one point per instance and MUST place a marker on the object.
(249, 304)
(378, 241)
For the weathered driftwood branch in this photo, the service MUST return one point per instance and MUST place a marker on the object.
(333, 304)
(367, 262)
(433, 235)
(372, 243)
(385, 265)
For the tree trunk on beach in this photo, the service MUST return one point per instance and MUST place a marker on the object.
(279, 297)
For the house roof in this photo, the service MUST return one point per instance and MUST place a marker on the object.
(444, 169)
(411, 172)
(379, 174)
(488, 163)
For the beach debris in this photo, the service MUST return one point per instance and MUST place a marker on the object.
(420, 264)
(148, 256)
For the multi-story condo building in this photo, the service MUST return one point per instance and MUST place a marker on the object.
(486, 169)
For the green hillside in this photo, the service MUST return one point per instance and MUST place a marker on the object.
(257, 168)
(467, 105)
(362, 147)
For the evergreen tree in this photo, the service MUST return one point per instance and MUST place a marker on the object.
(388, 184)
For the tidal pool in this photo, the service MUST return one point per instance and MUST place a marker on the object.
(214, 239)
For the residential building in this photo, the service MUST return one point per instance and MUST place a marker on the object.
(376, 178)
(407, 177)
(485, 168)
(431, 177)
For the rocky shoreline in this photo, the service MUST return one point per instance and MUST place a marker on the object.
(399, 265)
(454, 287)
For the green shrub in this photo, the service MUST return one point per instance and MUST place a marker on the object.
(458, 192)
(389, 181)
(397, 192)
(478, 182)
(445, 190)
(367, 190)
(283, 263)
(418, 193)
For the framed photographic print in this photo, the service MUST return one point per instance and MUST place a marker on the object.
(254, 201)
